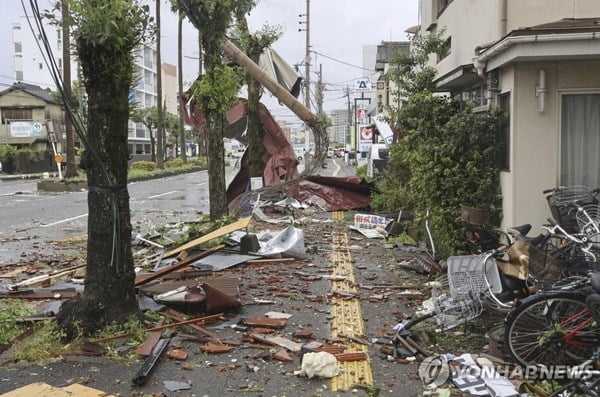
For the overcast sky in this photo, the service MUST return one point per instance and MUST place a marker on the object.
(339, 30)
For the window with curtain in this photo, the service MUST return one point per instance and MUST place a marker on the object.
(580, 140)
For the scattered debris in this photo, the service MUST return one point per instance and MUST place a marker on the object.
(321, 364)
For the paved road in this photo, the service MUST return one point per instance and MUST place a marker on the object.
(32, 219)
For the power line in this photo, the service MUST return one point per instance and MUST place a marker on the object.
(342, 62)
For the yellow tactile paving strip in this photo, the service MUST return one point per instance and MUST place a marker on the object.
(347, 318)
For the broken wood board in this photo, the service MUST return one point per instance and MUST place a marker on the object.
(46, 390)
(279, 341)
(232, 227)
(45, 280)
(176, 266)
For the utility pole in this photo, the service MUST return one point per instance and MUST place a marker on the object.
(71, 170)
(183, 144)
(349, 127)
(160, 152)
(319, 92)
(306, 69)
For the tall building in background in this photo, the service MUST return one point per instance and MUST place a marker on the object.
(30, 67)
(28, 60)
(339, 129)
(144, 94)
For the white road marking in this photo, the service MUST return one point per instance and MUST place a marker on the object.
(64, 220)
(337, 168)
(163, 194)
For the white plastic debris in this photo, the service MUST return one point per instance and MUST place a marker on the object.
(321, 364)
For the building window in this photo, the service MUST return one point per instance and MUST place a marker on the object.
(19, 75)
(442, 4)
(139, 148)
(504, 105)
(16, 114)
(147, 148)
(446, 49)
(18, 47)
(41, 66)
(580, 140)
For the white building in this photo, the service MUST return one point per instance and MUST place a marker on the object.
(30, 67)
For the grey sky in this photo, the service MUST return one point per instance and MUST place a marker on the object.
(339, 29)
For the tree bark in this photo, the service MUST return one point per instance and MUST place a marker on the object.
(109, 284)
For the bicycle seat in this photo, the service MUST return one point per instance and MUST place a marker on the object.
(596, 281)
(521, 230)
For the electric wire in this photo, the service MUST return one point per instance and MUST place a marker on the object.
(50, 61)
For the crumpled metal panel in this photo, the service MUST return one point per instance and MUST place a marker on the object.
(331, 193)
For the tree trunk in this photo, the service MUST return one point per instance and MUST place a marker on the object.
(216, 168)
(109, 284)
(152, 146)
(256, 132)
(71, 170)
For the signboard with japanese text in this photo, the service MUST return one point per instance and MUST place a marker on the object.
(365, 138)
(368, 221)
(26, 129)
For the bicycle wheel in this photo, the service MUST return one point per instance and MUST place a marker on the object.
(548, 329)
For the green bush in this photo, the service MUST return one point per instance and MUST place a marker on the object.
(8, 156)
(144, 165)
(199, 162)
(361, 171)
(175, 163)
(447, 156)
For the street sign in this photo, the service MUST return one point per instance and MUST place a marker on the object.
(362, 85)
(58, 158)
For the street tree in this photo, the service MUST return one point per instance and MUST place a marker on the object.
(149, 118)
(254, 45)
(105, 34)
(217, 90)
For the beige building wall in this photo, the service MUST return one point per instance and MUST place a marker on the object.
(482, 27)
(535, 143)
(523, 13)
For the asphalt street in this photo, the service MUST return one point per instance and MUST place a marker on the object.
(301, 289)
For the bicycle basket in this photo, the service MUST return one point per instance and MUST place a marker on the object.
(452, 311)
(559, 201)
(543, 268)
(588, 219)
(468, 273)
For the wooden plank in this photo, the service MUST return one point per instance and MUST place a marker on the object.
(270, 260)
(178, 266)
(146, 348)
(232, 227)
(186, 322)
